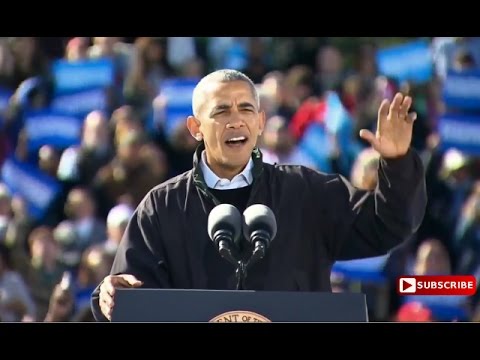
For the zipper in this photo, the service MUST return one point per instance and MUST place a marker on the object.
(200, 184)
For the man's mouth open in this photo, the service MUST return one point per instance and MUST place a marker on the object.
(236, 141)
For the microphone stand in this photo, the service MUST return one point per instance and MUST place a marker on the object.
(241, 274)
(242, 267)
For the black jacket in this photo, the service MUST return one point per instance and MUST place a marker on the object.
(321, 218)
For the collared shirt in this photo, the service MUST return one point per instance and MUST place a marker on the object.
(243, 179)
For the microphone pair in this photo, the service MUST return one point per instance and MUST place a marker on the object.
(226, 227)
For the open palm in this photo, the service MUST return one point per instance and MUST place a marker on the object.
(394, 127)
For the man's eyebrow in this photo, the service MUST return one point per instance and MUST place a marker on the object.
(246, 104)
(242, 105)
(220, 107)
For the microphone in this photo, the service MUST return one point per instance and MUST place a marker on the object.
(260, 228)
(224, 229)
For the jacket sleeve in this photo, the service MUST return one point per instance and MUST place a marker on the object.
(140, 252)
(371, 223)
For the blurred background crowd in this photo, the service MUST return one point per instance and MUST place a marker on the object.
(89, 125)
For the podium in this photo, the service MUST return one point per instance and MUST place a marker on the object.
(187, 305)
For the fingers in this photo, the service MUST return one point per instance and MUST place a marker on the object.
(108, 301)
(382, 114)
(370, 137)
(106, 308)
(405, 107)
(107, 287)
(124, 280)
(383, 110)
(398, 110)
(131, 280)
(396, 104)
(400, 107)
(107, 291)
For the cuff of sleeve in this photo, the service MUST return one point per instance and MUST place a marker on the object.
(404, 165)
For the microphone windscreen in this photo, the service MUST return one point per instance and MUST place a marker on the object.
(225, 216)
(259, 217)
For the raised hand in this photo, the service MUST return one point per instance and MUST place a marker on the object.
(394, 127)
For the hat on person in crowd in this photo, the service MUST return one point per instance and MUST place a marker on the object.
(414, 312)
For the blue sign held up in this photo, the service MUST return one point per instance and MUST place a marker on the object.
(366, 269)
(461, 90)
(460, 131)
(178, 95)
(317, 142)
(81, 75)
(412, 61)
(36, 188)
(178, 92)
(50, 128)
(316, 146)
(80, 103)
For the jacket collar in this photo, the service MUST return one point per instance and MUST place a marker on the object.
(199, 179)
(213, 180)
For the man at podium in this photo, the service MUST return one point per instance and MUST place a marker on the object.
(320, 218)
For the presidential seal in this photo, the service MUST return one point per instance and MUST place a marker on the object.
(239, 317)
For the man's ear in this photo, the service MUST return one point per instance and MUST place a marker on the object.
(261, 122)
(193, 125)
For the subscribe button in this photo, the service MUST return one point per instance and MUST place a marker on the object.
(437, 285)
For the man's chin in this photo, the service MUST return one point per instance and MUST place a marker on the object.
(236, 159)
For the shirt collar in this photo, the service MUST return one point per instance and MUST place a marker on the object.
(245, 178)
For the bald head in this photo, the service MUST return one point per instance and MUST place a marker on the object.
(219, 76)
(95, 129)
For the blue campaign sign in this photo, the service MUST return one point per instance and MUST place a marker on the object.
(339, 122)
(174, 118)
(317, 142)
(178, 101)
(461, 90)
(412, 61)
(460, 131)
(81, 75)
(367, 269)
(50, 128)
(80, 103)
(317, 146)
(178, 92)
(35, 187)
(236, 56)
(337, 118)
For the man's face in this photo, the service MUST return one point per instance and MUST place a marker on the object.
(230, 123)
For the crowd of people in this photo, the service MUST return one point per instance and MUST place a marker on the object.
(86, 134)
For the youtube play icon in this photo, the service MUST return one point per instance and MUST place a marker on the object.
(407, 285)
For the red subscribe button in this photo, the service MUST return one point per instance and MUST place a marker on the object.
(437, 285)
